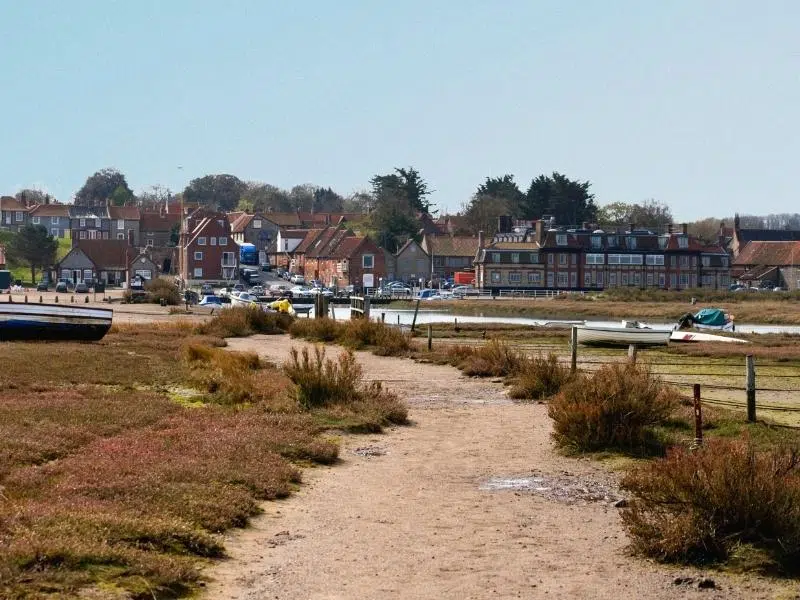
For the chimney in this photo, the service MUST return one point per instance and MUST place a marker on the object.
(480, 240)
(540, 231)
(685, 228)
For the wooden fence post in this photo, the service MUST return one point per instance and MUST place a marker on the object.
(430, 338)
(698, 417)
(632, 354)
(750, 386)
(366, 307)
(573, 346)
(414, 320)
(455, 324)
(383, 317)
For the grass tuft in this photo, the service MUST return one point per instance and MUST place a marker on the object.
(539, 377)
(356, 334)
(241, 321)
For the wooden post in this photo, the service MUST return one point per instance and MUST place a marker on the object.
(56, 299)
(383, 317)
(573, 347)
(698, 417)
(632, 354)
(26, 298)
(41, 300)
(430, 337)
(414, 320)
(332, 311)
(366, 307)
(455, 324)
(750, 386)
(398, 320)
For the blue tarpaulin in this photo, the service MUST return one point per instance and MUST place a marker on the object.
(713, 317)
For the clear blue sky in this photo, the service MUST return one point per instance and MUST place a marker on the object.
(694, 103)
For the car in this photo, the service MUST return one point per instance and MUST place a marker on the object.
(396, 288)
(429, 294)
(61, 287)
(321, 291)
(301, 291)
(297, 279)
(42, 286)
(460, 291)
(67, 282)
(257, 290)
(82, 288)
(210, 301)
(207, 289)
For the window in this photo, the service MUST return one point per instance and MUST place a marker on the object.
(229, 260)
(198, 272)
(612, 240)
(625, 259)
(213, 241)
(105, 235)
(574, 259)
(562, 259)
(54, 232)
(18, 215)
(683, 242)
(223, 241)
(631, 242)
(662, 280)
(82, 222)
(201, 241)
(121, 224)
(573, 279)
(368, 261)
(684, 262)
(694, 261)
(198, 256)
(673, 281)
(612, 279)
(35, 220)
(495, 257)
(663, 240)
(87, 275)
(563, 279)
(587, 279)
(561, 239)
(92, 234)
(595, 259)
(54, 220)
(597, 242)
(649, 280)
(534, 258)
(495, 276)
(708, 280)
(624, 276)
(515, 257)
(724, 261)
(82, 234)
(655, 260)
(535, 278)
(120, 236)
(684, 280)
(673, 262)
(637, 278)
(256, 223)
(550, 280)
(514, 277)
(599, 279)
(706, 261)
(549, 259)
(149, 243)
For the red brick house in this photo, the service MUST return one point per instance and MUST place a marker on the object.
(206, 250)
(356, 261)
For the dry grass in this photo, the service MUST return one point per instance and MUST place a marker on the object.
(107, 482)
(492, 359)
(726, 501)
(616, 407)
(241, 321)
(539, 377)
(357, 334)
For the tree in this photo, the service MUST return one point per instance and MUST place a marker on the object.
(362, 202)
(31, 196)
(219, 192)
(263, 197)
(101, 186)
(403, 183)
(34, 247)
(154, 197)
(503, 188)
(650, 214)
(393, 221)
(568, 201)
(120, 196)
(326, 200)
(302, 197)
(706, 230)
(482, 212)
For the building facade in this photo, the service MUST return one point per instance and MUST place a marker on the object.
(206, 250)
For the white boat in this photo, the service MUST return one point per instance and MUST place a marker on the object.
(244, 299)
(693, 336)
(625, 334)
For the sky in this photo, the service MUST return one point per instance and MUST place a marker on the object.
(689, 102)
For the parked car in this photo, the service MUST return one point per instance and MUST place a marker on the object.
(301, 291)
(42, 286)
(61, 287)
(257, 290)
(297, 279)
(429, 294)
(82, 288)
(460, 291)
(207, 289)
(67, 282)
(396, 288)
(211, 301)
(322, 291)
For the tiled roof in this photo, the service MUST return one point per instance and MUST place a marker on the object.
(769, 254)
(11, 203)
(108, 254)
(50, 210)
(294, 233)
(348, 247)
(447, 245)
(234, 216)
(514, 245)
(767, 235)
(283, 219)
(407, 244)
(158, 221)
(309, 239)
(241, 223)
(327, 241)
(129, 213)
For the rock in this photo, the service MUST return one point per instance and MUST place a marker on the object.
(621, 504)
(706, 584)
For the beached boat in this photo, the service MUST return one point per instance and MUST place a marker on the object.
(707, 318)
(625, 334)
(695, 336)
(53, 322)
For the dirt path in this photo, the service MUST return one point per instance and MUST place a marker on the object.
(407, 515)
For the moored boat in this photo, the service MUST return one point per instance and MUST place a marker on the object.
(48, 322)
(625, 334)
(707, 318)
(693, 336)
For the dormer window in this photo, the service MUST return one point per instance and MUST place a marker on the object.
(662, 241)
(561, 239)
(597, 242)
(612, 240)
(683, 242)
(631, 242)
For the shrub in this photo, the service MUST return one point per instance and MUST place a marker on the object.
(493, 359)
(162, 289)
(539, 377)
(616, 407)
(723, 500)
(382, 339)
(317, 330)
(241, 321)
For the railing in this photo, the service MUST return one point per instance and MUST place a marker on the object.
(359, 307)
(536, 293)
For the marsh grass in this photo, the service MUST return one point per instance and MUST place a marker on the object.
(241, 321)
(356, 334)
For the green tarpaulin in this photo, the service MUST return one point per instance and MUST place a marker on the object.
(713, 317)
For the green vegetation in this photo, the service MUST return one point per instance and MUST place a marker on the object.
(242, 321)
(107, 482)
(357, 334)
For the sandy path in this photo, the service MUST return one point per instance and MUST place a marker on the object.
(413, 522)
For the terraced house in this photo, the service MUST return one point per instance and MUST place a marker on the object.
(13, 214)
(53, 217)
(535, 256)
(206, 250)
